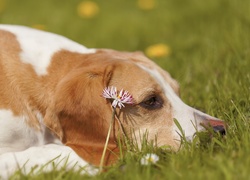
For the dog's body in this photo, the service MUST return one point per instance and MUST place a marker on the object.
(50, 97)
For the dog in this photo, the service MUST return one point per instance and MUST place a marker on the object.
(51, 104)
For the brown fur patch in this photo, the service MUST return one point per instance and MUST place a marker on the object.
(18, 81)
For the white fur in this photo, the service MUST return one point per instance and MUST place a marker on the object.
(17, 135)
(38, 46)
(43, 159)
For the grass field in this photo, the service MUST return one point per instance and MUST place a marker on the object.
(206, 47)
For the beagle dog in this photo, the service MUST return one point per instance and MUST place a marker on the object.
(51, 108)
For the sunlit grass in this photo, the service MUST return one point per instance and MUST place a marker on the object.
(210, 50)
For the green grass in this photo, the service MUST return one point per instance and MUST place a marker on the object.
(210, 57)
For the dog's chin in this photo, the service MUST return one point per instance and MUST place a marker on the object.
(189, 138)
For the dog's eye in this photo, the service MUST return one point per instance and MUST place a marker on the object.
(152, 102)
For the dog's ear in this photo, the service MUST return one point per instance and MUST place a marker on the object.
(80, 116)
(52, 122)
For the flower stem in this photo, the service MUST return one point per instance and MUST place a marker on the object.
(107, 140)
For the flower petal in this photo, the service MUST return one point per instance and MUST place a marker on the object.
(114, 103)
(118, 100)
(149, 159)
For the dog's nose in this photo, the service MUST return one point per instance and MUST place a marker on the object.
(218, 126)
(209, 121)
(220, 129)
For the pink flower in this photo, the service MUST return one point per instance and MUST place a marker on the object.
(118, 99)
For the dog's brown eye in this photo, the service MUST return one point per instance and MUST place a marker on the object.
(152, 102)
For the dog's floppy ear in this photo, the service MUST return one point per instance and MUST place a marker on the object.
(52, 122)
(80, 116)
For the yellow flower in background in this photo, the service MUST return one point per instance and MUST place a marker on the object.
(39, 26)
(146, 4)
(87, 9)
(157, 50)
(2, 5)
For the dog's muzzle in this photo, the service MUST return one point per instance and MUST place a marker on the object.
(211, 122)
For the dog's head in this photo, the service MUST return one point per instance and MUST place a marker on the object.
(80, 116)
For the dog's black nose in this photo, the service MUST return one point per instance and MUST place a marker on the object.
(220, 129)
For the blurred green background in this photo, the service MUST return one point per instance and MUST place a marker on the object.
(204, 45)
